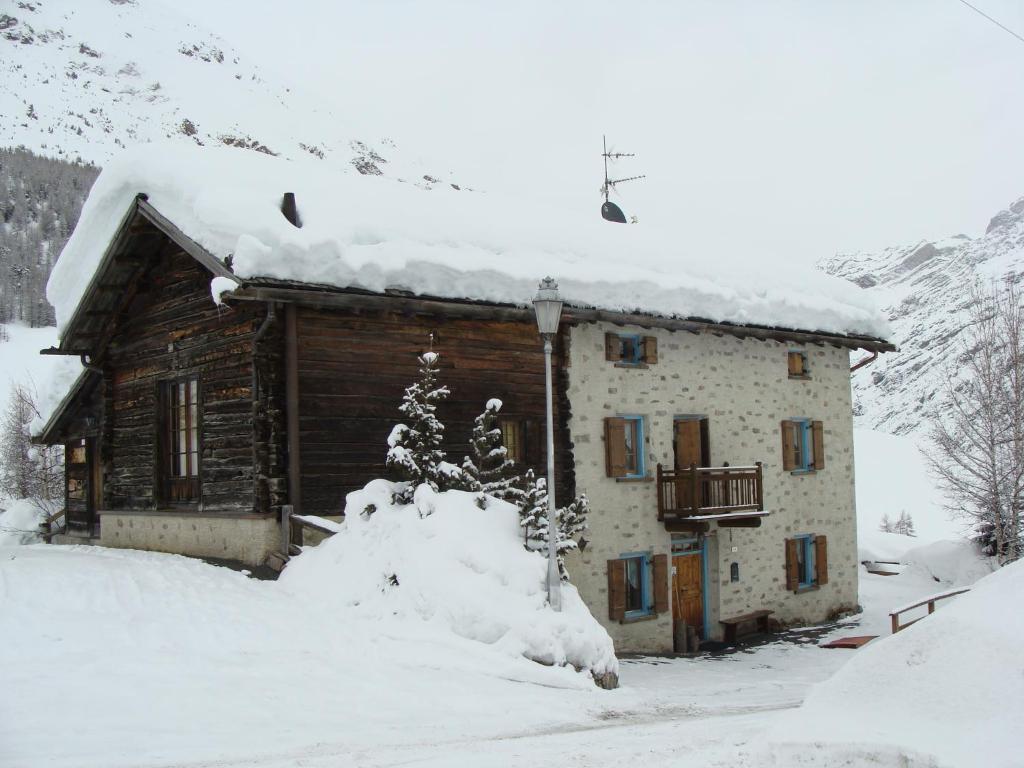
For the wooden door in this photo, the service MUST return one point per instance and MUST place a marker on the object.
(95, 483)
(688, 444)
(691, 449)
(687, 595)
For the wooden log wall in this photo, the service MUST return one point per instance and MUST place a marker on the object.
(353, 370)
(172, 329)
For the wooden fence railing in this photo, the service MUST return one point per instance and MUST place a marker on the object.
(296, 525)
(709, 490)
(894, 616)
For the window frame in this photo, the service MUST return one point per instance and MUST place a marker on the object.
(638, 448)
(645, 574)
(806, 463)
(642, 350)
(637, 358)
(805, 372)
(174, 487)
(517, 427)
(805, 549)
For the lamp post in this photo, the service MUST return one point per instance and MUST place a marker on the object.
(548, 306)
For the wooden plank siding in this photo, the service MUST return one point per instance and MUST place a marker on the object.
(172, 329)
(354, 368)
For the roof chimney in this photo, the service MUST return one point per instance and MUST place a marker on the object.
(289, 210)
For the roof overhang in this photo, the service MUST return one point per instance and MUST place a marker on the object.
(265, 289)
(139, 235)
(55, 429)
(109, 290)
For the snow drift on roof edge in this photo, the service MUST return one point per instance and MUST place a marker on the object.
(376, 233)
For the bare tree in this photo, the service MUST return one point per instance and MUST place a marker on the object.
(27, 471)
(978, 440)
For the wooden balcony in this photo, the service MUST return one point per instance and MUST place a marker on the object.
(730, 495)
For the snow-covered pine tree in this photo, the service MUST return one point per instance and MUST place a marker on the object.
(487, 468)
(414, 446)
(886, 524)
(570, 520)
(533, 510)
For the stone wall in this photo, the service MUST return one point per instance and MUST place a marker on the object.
(743, 387)
(246, 539)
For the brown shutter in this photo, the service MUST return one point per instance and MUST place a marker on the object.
(660, 583)
(616, 590)
(615, 446)
(818, 435)
(612, 347)
(821, 559)
(649, 349)
(788, 460)
(796, 367)
(792, 569)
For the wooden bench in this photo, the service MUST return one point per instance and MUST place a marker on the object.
(731, 625)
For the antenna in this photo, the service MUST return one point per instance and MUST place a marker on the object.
(609, 210)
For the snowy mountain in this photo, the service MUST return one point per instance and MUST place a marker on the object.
(83, 78)
(924, 290)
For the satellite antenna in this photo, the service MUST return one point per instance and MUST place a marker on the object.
(609, 210)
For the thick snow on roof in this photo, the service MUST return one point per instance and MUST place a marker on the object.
(375, 233)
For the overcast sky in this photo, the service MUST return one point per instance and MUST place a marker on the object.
(793, 129)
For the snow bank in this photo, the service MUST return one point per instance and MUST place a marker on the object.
(460, 571)
(375, 233)
(19, 523)
(950, 687)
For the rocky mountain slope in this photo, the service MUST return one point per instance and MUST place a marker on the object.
(82, 78)
(925, 288)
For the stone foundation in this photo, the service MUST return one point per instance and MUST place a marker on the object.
(247, 540)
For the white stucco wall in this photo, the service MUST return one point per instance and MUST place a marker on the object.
(742, 386)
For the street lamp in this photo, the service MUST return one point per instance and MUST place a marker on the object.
(548, 306)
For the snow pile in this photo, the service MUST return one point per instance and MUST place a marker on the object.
(375, 233)
(444, 567)
(950, 687)
(19, 523)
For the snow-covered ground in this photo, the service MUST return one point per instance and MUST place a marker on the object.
(147, 659)
(161, 660)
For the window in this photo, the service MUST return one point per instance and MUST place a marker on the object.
(637, 586)
(803, 445)
(806, 562)
(630, 350)
(513, 437)
(624, 446)
(523, 440)
(180, 440)
(798, 365)
(76, 466)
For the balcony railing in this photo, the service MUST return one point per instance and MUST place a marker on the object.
(701, 491)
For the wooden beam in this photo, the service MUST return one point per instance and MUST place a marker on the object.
(332, 297)
(686, 526)
(187, 244)
(292, 408)
(740, 522)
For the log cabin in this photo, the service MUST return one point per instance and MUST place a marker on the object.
(232, 368)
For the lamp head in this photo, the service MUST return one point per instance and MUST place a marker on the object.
(547, 304)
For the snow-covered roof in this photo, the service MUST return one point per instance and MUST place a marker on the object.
(374, 233)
